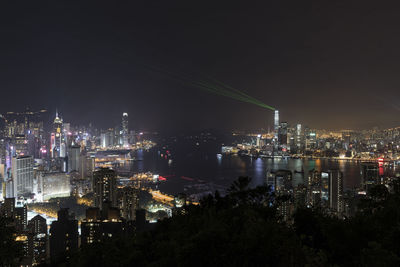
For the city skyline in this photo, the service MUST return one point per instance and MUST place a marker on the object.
(92, 62)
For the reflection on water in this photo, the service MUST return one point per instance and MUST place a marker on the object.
(206, 166)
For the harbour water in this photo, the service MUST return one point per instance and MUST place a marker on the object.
(200, 163)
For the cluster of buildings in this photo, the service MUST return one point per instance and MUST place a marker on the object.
(324, 190)
(36, 150)
(43, 158)
(297, 140)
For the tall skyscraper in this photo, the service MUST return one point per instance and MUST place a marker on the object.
(74, 153)
(282, 134)
(22, 175)
(57, 146)
(276, 123)
(105, 187)
(125, 130)
(369, 175)
(128, 202)
(38, 228)
(336, 191)
(299, 136)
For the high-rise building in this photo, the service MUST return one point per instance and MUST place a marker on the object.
(101, 224)
(128, 202)
(125, 130)
(258, 140)
(38, 233)
(346, 137)
(299, 136)
(310, 138)
(21, 218)
(336, 191)
(22, 175)
(105, 187)
(7, 209)
(369, 175)
(282, 134)
(74, 153)
(314, 186)
(57, 138)
(107, 138)
(63, 236)
(283, 181)
(276, 123)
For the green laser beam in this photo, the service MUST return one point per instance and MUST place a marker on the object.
(217, 87)
(244, 94)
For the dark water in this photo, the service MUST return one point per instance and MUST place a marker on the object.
(193, 164)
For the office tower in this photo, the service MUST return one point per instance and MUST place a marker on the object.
(37, 228)
(276, 124)
(336, 191)
(107, 138)
(87, 166)
(57, 138)
(20, 144)
(310, 138)
(21, 218)
(299, 136)
(369, 175)
(132, 137)
(74, 153)
(300, 195)
(7, 209)
(24, 130)
(63, 236)
(314, 186)
(125, 130)
(346, 137)
(283, 181)
(283, 188)
(22, 175)
(101, 224)
(54, 184)
(128, 202)
(105, 187)
(282, 134)
(325, 189)
(258, 140)
(37, 225)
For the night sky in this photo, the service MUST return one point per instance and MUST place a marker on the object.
(323, 64)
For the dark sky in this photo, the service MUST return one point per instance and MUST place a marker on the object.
(327, 64)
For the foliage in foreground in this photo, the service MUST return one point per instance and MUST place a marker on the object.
(243, 229)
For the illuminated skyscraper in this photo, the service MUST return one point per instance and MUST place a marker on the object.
(128, 202)
(299, 139)
(369, 175)
(282, 134)
(56, 139)
(276, 123)
(38, 229)
(125, 130)
(74, 153)
(336, 191)
(22, 175)
(105, 187)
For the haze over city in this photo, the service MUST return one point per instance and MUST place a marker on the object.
(310, 60)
